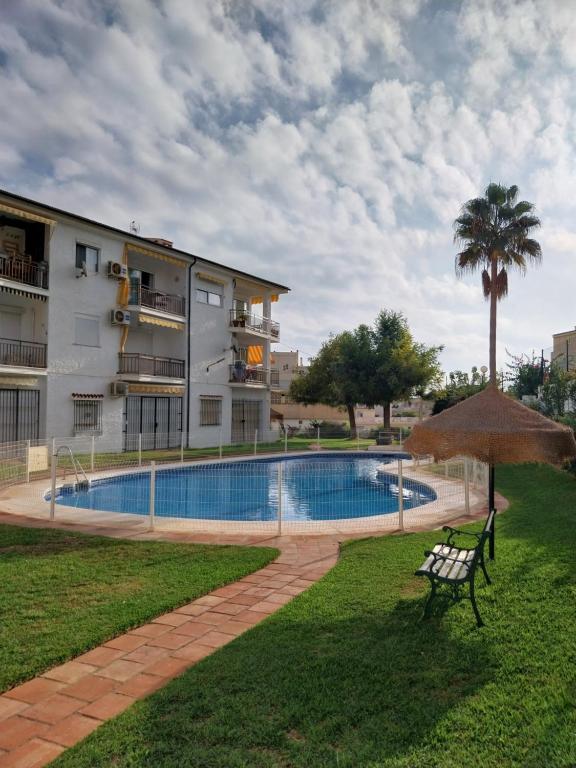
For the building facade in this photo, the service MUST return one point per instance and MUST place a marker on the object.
(564, 350)
(103, 332)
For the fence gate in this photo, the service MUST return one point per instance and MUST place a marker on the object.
(19, 415)
(246, 420)
(157, 419)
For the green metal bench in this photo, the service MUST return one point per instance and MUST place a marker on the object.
(456, 566)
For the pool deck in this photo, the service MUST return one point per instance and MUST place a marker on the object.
(29, 500)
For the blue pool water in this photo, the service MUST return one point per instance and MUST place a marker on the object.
(321, 487)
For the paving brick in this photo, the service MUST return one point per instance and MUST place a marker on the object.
(150, 630)
(259, 592)
(171, 641)
(230, 591)
(71, 730)
(193, 629)
(192, 652)
(215, 639)
(18, 730)
(193, 609)
(279, 599)
(90, 688)
(209, 600)
(108, 706)
(121, 670)
(168, 668)
(33, 754)
(264, 607)
(10, 707)
(69, 672)
(246, 599)
(234, 627)
(126, 642)
(250, 617)
(146, 654)
(172, 619)
(214, 618)
(141, 685)
(100, 657)
(35, 690)
(54, 709)
(229, 608)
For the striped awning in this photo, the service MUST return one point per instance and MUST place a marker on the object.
(154, 389)
(79, 396)
(22, 214)
(210, 278)
(151, 320)
(156, 255)
(260, 299)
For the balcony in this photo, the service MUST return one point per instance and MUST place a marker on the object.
(150, 298)
(22, 354)
(133, 363)
(22, 270)
(240, 373)
(253, 324)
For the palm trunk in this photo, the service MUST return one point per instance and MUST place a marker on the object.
(352, 421)
(386, 410)
(493, 306)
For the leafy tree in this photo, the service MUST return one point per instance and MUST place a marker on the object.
(526, 375)
(559, 388)
(368, 365)
(459, 386)
(494, 232)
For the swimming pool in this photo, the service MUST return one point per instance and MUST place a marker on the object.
(314, 487)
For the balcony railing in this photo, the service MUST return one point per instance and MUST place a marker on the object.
(24, 271)
(27, 354)
(245, 374)
(141, 296)
(149, 365)
(239, 318)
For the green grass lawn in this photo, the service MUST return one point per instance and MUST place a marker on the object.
(347, 675)
(62, 593)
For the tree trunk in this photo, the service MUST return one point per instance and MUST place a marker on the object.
(352, 420)
(386, 409)
(493, 305)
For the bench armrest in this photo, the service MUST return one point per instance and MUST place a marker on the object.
(457, 532)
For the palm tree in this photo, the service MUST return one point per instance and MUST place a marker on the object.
(494, 233)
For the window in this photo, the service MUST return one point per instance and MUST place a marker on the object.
(240, 305)
(275, 398)
(208, 297)
(85, 254)
(87, 330)
(87, 416)
(210, 411)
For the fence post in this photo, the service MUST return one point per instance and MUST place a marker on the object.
(466, 486)
(92, 450)
(474, 473)
(286, 440)
(152, 501)
(140, 449)
(27, 461)
(255, 442)
(279, 498)
(400, 496)
(53, 463)
(357, 440)
(400, 437)
(182, 448)
(220, 445)
(446, 469)
(318, 437)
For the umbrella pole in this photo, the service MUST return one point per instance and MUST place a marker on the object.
(490, 508)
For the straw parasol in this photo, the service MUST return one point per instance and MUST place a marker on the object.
(495, 429)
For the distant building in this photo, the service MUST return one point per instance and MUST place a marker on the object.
(564, 350)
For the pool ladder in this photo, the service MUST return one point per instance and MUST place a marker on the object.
(80, 485)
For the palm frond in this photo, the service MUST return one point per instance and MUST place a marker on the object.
(501, 286)
(486, 283)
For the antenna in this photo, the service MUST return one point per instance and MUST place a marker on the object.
(134, 227)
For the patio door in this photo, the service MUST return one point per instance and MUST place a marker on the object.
(246, 419)
(19, 415)
(157, 418)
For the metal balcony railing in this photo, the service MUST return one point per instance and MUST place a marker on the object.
(27, 354)
(141, 296)
(149, 365)
(246, 374)
(239, 318)
(24, 271)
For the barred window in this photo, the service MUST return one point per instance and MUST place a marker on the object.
(87, 416)
(210, 411)
(275, 398)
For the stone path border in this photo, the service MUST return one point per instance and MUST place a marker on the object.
(42, 717)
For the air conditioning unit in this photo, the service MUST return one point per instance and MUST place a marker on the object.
(119, 317)
(118, 389)
(117, 271)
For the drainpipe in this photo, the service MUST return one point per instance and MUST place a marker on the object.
(188, 310)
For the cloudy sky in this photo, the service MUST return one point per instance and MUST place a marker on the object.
(326, 145)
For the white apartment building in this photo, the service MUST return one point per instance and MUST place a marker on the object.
(108, 333)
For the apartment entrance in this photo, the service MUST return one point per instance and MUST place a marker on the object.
(246, 419)
(19, 415)
(157, 418)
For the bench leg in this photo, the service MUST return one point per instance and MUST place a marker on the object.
(431, 597)
(485, 572)
(479, 621)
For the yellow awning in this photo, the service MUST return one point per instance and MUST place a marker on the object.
(154, 389)
(156, 255)
(255, 355)
(210, 278)
(26, 215)
(150, 320)
(260, 299)
(14, 381)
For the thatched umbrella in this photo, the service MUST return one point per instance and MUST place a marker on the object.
(495, 429)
